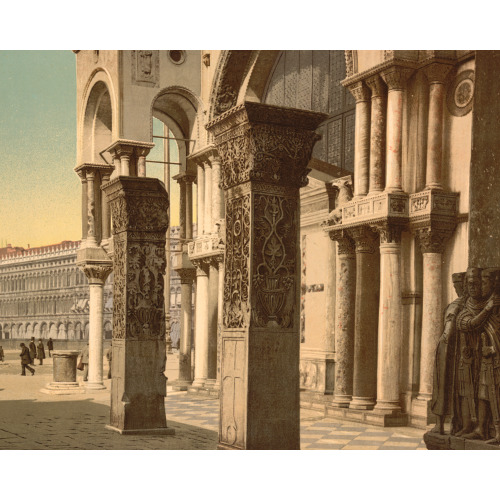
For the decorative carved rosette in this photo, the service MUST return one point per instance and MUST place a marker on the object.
(258, 142)
(365, 238)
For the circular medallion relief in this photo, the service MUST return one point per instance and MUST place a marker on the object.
(461, 93)
(177, 56)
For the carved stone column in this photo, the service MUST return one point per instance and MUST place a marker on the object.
(389, 325)
(361, 94)
(217, 192)
(432, 245)
(201, 200)
(207, 214)
(201, 324)
(84, 205)
(96, 274)
(344, 318)
(189, 207)
(365, 319)
(213, 295)
(377, 134)
(129, 157)
(91, 240)
(395, 78)
(220, 302)
(264, 153)
(105, 215)
(185, 377)
(436, 74)
(139, 209)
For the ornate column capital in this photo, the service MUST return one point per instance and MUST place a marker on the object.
(270, 144)
(365, 239)
(187, 275)
(97, 273)
(389, 233)
(202, 266)
(360, 92)
(437, 72)
(184, 177)
(396, 77)
(84, 170)
(377, 86)
(126, 147)
(432, 239)
(345, 244)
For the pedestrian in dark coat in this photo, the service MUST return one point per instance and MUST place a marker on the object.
(50, 346)
(1, 354)
(85, 362)
(32, 349)
(25, 360)
(109, 357)
(40, 351)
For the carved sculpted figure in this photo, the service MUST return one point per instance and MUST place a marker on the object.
(344, 195)
(444, 394)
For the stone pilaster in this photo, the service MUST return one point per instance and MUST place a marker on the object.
(389, 325)
(365, 318)
(344, 318)
(264, 153)
(377, 134)
(139, 208)
(395, 78)
(436, 74)
(361, 94)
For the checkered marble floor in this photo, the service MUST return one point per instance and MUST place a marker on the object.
(316, 432)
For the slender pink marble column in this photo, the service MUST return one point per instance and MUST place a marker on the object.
(436, 74)
(361, 94)
(377, 134)
(395, 78)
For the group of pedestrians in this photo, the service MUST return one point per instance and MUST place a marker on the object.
(29, 354)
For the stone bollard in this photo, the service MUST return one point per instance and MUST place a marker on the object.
(64, 374)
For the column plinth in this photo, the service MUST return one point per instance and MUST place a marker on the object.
(261, 325)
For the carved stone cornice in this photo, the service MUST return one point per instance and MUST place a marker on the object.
(365, 238)
(138, 204)
(206, 246)
(360, 92)
(271, 144)
(97, 274)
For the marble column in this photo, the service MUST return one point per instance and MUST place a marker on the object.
(432, 245)
(201, 324)
(365, 319)
(189, 207)
(344, 319)
(436, 74)
(213, 295)
(91, 238)
(84, 205)
(217, 192)
(141, 162)
(330, 297)
(208, 223)
(105, 210)
(377, 134)
(139, 208)
(395, 78)
(361, 94)
(201, 200)
(220, 302)
(96, 275)
(261, 334)
(187, 277)
(389, 325)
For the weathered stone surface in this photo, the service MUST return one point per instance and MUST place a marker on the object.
(64, 374)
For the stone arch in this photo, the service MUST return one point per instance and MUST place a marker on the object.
(61, 331)
(44, 330)
(20, 330)
(86, 331)
(98, 127)
(52, 331)
(70, 332)
(78, 331)
(36, 330)
(29, 330)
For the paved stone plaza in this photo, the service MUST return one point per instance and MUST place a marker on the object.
(31, 420)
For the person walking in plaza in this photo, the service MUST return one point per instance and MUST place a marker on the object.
(1, 354)
(85, 362)
(50, 346)
(32, 349)
(25, 360)
(109, 357)
(40, 351)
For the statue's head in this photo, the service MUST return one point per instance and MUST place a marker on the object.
(458, 283)
(488, 281)
(473, 279)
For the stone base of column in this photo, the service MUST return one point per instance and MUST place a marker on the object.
(362, 403)
(180, 385)
(199, 382)
(341, 401)
(396, 419)
(93, 386)
(165, 431)
(62, 388)
(206, 390)
(421, 414)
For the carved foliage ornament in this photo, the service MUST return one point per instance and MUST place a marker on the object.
(267, 153)
(145, 213)
(236, 308)
(432, 240)
(274, 260)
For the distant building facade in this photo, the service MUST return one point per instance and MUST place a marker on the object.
(44, 294)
